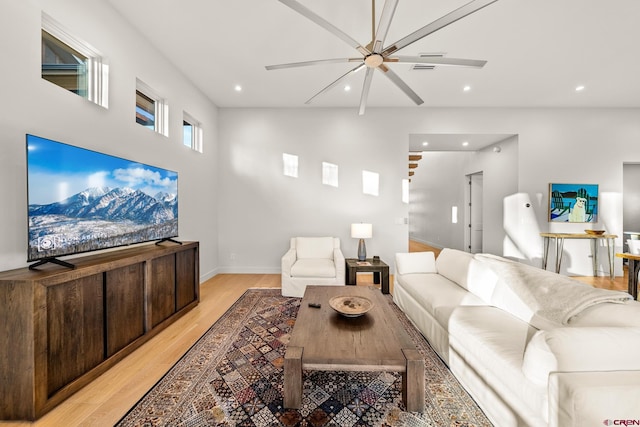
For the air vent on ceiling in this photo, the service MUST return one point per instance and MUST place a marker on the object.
(420, 67)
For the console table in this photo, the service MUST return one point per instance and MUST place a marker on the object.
(634, 267)
(593, 238)
(375, 266)
(61, 328)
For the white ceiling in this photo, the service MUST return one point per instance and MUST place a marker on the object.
(453, 141)
(538, 51)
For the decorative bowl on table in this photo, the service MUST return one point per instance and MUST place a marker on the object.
(594, 232)
(351, 306)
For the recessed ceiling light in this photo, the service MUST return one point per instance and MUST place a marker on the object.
(467, 88)
(238, 88)
(347, 88)
(466, 143)
(425, 143)
(579, 88)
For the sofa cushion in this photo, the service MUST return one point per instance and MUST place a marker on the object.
(416, 262)
(481, 280)
(454, 265)
(492, 342)
(316, 267)
(436, 294)
(314, 247)
(574, 349)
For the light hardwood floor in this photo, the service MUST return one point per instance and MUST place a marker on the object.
(109, 397)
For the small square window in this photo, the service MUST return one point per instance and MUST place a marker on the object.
(151, 110)
(329, 174)
(290, 162)
(370, 182)
(191, 133)
(72, 64)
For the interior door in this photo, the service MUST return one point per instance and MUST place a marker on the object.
(475, 212)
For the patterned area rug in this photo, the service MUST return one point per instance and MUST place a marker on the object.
(233, 377)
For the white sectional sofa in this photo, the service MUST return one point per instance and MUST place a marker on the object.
(532, 347)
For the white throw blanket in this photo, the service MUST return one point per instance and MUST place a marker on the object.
(542, 298)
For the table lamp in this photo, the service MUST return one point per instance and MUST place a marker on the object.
(361, 231)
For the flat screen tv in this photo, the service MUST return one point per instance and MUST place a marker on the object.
(81, 200)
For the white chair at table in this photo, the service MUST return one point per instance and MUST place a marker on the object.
(312, 261)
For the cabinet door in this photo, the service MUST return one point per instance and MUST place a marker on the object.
(124, 294)
(75, 330)
(185, 278)
(163, 288)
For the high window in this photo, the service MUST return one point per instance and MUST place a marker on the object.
(191, 133)
(329, 174)
(370, 182)
(72, 64)
(290, 165)
(152, 110)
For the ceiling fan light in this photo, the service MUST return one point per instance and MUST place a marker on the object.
(373, 61)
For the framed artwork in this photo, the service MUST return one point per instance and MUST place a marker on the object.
(573, 202)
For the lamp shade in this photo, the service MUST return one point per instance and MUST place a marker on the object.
(361, 231)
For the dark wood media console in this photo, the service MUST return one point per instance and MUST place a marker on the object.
(60, 328)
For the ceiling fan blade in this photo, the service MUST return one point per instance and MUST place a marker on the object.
(317, 62)
(388, 11)
(303, 10)
(335, 83)
(438, 24)
(401, 84)
(365, 90)
(435, 60)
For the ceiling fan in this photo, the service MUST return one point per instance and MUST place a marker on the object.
(376, 56)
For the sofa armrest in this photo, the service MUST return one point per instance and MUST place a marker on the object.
(581, 349)
(287, 261)
(338, 260)
(595, 398)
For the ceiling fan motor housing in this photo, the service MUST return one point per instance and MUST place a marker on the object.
(374, 60)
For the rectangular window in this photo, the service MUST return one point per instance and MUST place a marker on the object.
(72, 64)
(64, 66)
(191, 133)
(370, 182)
(187, 133)
(152, 110)
(290, 162)
(329, 174)
(145, 111)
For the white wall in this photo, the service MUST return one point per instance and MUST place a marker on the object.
(440, 182)
(260, 209)
(33, 105)
(437, 185)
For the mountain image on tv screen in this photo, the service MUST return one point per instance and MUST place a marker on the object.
(81, 200)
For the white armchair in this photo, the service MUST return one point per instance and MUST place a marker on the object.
(312, 261)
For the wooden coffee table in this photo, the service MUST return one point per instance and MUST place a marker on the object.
(324, 340)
